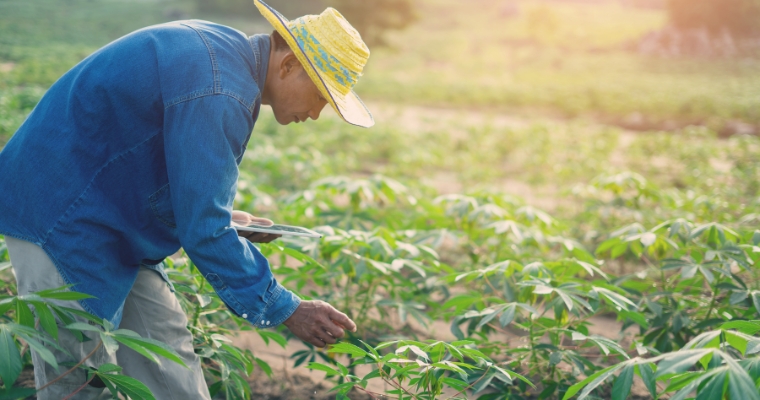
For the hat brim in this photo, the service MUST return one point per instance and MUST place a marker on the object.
(349, 106)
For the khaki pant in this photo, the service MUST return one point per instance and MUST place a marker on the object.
(151, 310)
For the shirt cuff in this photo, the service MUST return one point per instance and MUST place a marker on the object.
(281, 305)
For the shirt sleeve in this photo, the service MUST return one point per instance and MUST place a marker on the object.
(203, 138)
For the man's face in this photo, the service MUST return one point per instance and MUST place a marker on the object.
(294, 97)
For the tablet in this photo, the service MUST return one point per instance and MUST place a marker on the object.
(284, 230)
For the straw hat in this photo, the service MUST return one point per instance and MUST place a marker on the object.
(332, 53)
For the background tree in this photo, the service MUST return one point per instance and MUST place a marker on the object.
(372, 18)
(740, 17)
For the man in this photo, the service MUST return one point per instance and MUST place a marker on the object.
(133, 154)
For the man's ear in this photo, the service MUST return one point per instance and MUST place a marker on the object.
(289, 64)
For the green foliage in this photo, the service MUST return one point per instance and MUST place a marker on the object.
(626, 258)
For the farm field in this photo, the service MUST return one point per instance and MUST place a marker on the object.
(539, 212)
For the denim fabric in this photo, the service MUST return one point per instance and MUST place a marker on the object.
(133, 154)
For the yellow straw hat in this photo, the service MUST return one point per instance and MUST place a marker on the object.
(332, 53)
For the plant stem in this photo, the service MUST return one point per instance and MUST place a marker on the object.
(389, 381)
(712, 304)
(472, 384)
(198, 308)
(72, 368)
(80, 388)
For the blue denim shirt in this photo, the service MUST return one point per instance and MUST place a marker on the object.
(133, 154)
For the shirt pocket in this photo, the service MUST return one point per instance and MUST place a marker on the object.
(161, 204)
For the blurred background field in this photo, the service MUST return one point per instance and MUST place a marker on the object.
(528, 96)
(578, 122)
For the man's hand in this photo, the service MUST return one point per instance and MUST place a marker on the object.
(243, 218)
(319, 323)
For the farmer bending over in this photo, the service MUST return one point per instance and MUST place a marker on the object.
(134, 153)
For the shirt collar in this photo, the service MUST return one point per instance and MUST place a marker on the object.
(260, 46)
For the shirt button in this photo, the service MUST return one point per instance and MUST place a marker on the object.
(262, 322)
(267, 322)
(245, 315)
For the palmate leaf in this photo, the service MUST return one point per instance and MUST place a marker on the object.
(276, 337)
(740, 385)
(24, 315)
(746, 327)
(647, 376)
(714, 387)
(47, 320)
(62, 293)
(15, 393)
(133, 388)
(676, 362)
(687, 383)
(616, 299)
(33, 339)
(596, 379)
(10, 358)
(264, 366)
(623, 383)
(347, 348)
(322, 367)
(146, 346)
(746, 344)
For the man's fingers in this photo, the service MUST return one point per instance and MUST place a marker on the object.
(325, 337)
(333, 330)
(316, 341)
(261, 221)
(343, 321)
(270, 237)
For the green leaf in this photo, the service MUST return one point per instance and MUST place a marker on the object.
(740, 385)
(7, 304)
(756, 300)
(487, 319)
(568, 301)
(748, 327)
(322, 367)
(58, 294)
(623, 383)
(647, 376)
(264, 366)
(109, 343)
(714, 388)
(130, 386)
(507, 315)
(347, 348)
(108, 367)
(83, 326)
(616, 299)
(47, 320)
(24, 314)
(141, 344)
(680, 361)
(15, 393)
(10, 358)
(592, 382)
(269, 335)
(41, 349)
